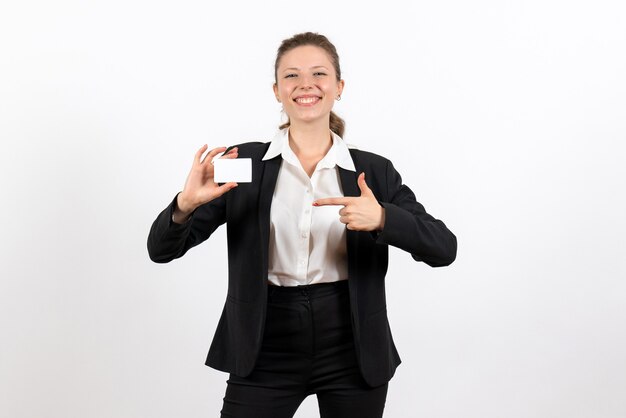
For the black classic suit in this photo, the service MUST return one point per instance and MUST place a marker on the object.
(246, 211)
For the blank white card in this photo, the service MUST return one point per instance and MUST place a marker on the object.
(238, 170)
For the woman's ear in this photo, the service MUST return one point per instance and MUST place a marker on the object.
(275, 87)
(340, 86)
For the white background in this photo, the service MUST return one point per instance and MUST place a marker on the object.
(507, 119)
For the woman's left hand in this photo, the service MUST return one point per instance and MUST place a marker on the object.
(362, 213)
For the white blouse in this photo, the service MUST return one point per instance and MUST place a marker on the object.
(307, 243)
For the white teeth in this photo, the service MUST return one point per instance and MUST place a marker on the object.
(306, 100)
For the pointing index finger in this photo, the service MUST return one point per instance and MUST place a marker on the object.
(332, 201)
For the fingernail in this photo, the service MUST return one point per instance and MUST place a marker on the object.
(315, 204)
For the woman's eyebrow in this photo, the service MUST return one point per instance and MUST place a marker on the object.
(298, 69)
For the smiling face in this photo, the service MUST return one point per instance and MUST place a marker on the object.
(307, 85)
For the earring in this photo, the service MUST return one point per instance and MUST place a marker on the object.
(339, 97)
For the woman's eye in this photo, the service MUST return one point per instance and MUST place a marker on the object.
(319, 73)
(290, 75)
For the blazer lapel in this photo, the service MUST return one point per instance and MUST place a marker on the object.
(350, 188)
(269, 175)
(348, 182)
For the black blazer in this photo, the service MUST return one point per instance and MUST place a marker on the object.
(246, 211)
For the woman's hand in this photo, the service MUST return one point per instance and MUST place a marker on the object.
(200, 188)
(362, 213)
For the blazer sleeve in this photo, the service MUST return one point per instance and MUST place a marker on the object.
(168, 240)
(410, 228)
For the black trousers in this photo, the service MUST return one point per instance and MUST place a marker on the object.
(308, 348)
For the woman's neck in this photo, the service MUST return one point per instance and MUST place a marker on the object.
(310, 144)
(310, 141)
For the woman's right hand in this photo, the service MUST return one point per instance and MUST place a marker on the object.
(200, 188)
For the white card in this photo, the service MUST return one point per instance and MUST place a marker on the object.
(238, 170)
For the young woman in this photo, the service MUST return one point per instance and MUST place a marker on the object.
(307, 252)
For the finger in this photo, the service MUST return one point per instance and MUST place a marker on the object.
(225, 188)
(199, 153)
(233, 153)
(365, 190)
(332, 201)
(209, 157)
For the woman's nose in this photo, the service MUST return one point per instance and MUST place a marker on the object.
(306, 82)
